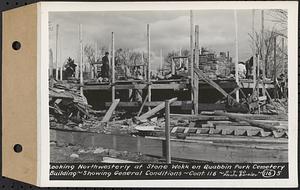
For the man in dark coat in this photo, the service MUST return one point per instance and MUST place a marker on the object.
(249, 67)
(70, 69)
(105, 66)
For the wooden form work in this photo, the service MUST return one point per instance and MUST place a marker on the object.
(196, 78)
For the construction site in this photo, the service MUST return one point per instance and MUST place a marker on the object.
(197, 106)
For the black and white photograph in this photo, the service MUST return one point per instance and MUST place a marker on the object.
(206, 88)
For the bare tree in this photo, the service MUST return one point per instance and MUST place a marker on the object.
(279, 17)
(268, 54)
(171, 55)
(90, 53)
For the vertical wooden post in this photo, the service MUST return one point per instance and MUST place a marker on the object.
(113, 88)
(236, 55)
(196, 79)
(92, 66)
(161, 61)
(81, 60)
(262, 44)
(109, 58)
(258, 74)
(167, 132)
(60, 60)
(144, 67)
(282, 55)
(173, 67)
(275, 69)
(56, 52)
(285, 67)
(61, 73)
(254, 51)
(149, 63)
(192, 54)
(180, 61)
(50, 63)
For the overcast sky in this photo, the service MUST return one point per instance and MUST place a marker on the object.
(169, 30)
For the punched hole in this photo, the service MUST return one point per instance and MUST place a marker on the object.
(18, 148)
(16, 45)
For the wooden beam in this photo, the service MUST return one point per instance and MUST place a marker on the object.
(180, 61)
(56, 51)
(113, 80)
(230, 93)
(172, 67)
(192, 53)
(275, 70)
(172, 86)
(145, 67)
(149, 63)
(110, 111)
(253, 51)
(263, 51)
(155, 110)
(196, 79)
(261, 125)
(261, 116)
(211, 82)
(81, 59)
(161, 61)
(236, 55)
(167, 132)
(199, 117)
(142, 106)
(180, 57)
(185, 105)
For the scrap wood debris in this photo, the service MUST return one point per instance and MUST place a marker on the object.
(69, 110)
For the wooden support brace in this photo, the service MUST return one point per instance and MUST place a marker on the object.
(155, 110)
(143, 105)
(230, 93)
(110, 111)
(211, 82)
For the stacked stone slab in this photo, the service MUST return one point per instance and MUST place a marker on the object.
(215, 66)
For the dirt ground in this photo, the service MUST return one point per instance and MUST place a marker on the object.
(76, 154)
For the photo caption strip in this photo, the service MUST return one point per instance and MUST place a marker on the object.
(95, 171)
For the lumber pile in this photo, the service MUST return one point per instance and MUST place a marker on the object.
(277, 107)
(218, 123)
(223, 124)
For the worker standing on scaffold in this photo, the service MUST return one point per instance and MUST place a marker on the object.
(105, 68)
